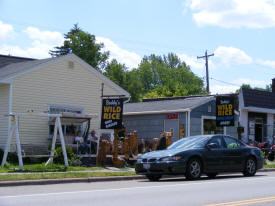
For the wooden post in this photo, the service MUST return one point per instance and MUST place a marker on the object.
(7, 147)
(50, 160)
(18, 144)
(115, 152)
(62, 142)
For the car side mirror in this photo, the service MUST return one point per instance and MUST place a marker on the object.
(212, 146)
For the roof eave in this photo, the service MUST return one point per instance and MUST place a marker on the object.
(156, 112)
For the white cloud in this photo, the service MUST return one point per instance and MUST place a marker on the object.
(6, 30)
(42, 43)
(268, 63)
(231, 55)
(46, 37)
(130, 59)
(252, 82)
(191, 61)
(223, 89)
(233, 13)
(37, 50)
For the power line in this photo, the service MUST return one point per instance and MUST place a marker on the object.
(224, 82)
(206, 66)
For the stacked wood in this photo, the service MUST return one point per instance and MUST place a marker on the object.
(108, 148)
(102, 152)
(168, 136)
(155, 143)
(118, 162)
(126, 147)
(133, 143)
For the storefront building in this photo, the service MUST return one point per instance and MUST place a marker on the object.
(183, 116)
(257, 110)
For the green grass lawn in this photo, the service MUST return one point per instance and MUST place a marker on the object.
(42, 168)
(36, 176)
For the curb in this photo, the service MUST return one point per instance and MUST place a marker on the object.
(69, 180)
(267, 170)
(84, 180)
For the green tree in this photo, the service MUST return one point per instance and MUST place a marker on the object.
(84, 45)
(268, 88)
(168, 76)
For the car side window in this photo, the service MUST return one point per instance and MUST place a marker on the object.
(217, 140)
(231, 143)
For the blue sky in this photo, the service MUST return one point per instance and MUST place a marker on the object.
(239, 32)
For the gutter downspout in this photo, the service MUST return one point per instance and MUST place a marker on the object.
(189, 122)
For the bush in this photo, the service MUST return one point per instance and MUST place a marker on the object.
(59, 158)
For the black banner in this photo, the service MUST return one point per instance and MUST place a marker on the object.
(224, 111)
(111, 116)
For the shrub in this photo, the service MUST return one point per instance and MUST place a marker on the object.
(59, 158)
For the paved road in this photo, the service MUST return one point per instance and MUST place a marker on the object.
(224, 191)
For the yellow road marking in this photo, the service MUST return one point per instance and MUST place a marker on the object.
(245, 202)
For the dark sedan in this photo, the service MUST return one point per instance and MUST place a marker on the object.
(208, 154)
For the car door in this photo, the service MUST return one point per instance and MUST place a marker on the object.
(233, 154)
(213, 157)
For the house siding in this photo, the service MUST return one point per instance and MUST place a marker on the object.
(151, 125)
(4, 109)
(55, 84)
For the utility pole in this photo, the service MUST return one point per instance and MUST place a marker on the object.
(206, 66)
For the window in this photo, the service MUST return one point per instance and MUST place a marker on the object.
(209, 108)
(232, 143)
(68, 129)
(209, 127)
(217, 140)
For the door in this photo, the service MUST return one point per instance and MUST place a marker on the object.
(233, 154)
(172, 125)
(214, 156)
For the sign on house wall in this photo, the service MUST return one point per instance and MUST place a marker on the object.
(224, 111)
(111, 115)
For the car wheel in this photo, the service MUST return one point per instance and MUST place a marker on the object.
(193, 170)
(250, 167)
(211, 175)
(153, 178)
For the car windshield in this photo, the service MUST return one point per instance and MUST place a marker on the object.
(190, 142)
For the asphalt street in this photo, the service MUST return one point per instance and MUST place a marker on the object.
(225, 190)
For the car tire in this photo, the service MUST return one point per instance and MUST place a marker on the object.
(211, 175)
(194, 169)
(153, 178)
(250, 167)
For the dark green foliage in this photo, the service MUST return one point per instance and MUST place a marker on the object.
(268, 88)
(84, 45)
(58, 155)
(156, 76)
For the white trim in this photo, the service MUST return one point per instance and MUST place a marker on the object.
(155, 112)
(186, 125)
(10, 107)
(258, 109)
(172, 128)
(66, 57)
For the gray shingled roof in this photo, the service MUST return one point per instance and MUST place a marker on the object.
(256, 98)
(171, 105)
(15, 68)
(6, 60)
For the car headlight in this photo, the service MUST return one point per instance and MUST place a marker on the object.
(139, 160)
(171, 158)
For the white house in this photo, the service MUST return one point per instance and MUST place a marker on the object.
(257, 112)
(65, 83)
